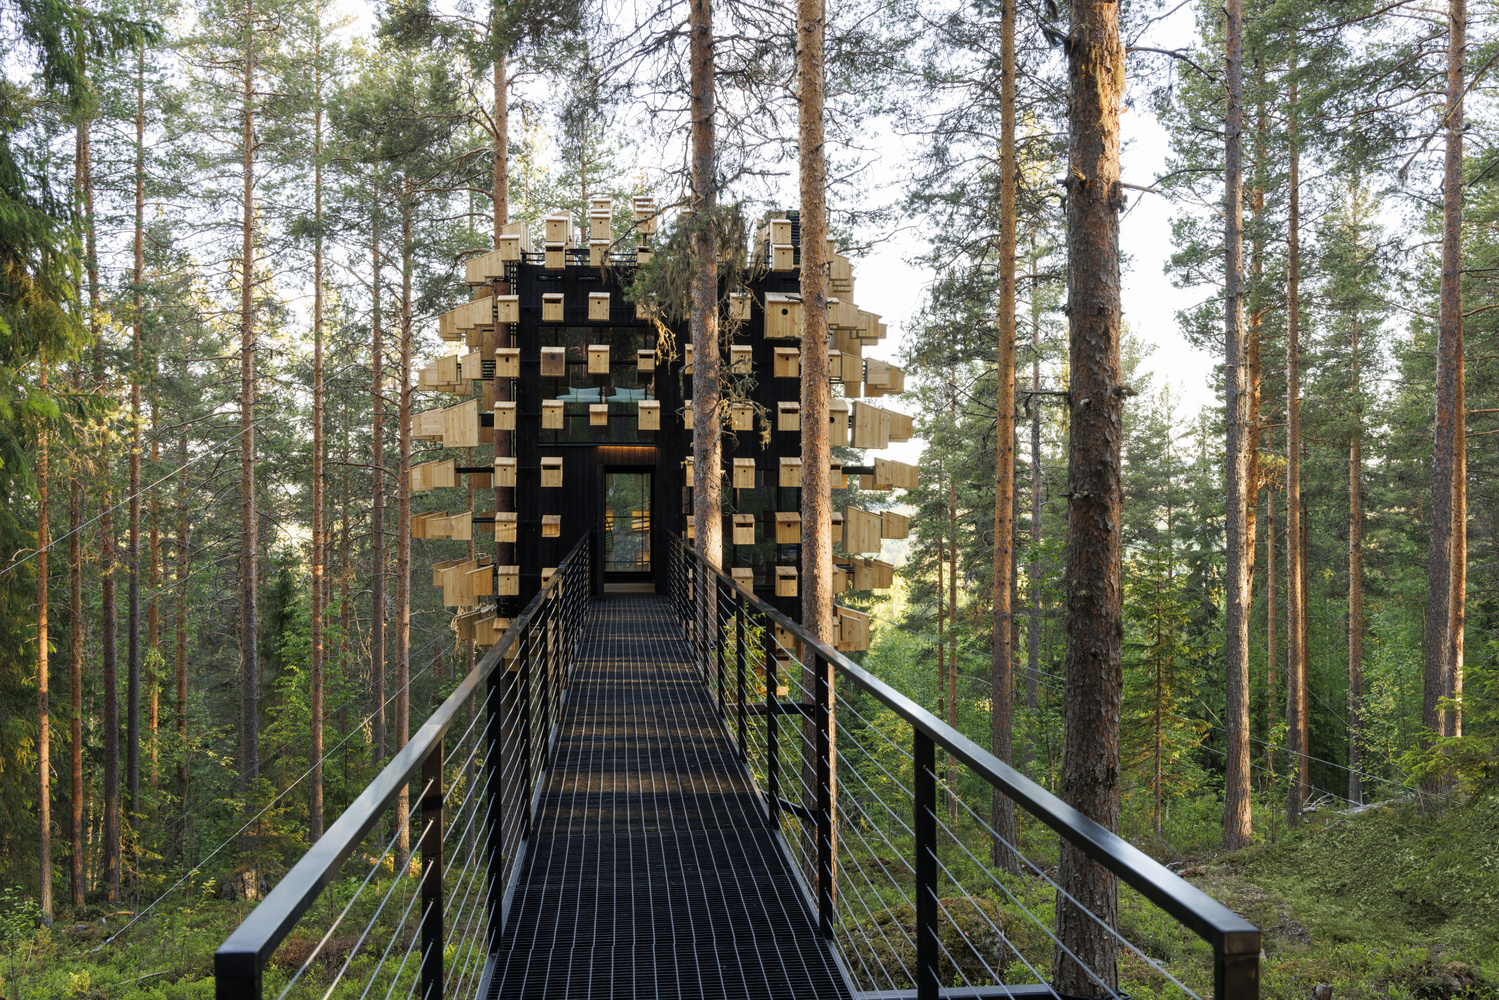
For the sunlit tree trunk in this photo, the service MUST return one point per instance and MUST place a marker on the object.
(377, 475)
(403, 512)
(1296, 725)
(315, 751)
(707, 449)
(1090, 779)
(76, 626)
(1355, 576)
(43, 669)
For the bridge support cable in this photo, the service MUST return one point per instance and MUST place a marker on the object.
(480, 760)
(882, 810)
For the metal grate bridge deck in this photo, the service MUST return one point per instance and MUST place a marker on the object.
(652, 871)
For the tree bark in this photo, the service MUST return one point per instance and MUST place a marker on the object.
(1296, 725)
(1450, 467)
(315, 751)
(707, 449)
(1090, 769)
(403, 514)
(133, 553)
(43, 669)
(1033, 572)
(110, 712)
(1270, 636)
(504, 496)
(1238, 537)
(1355, 576)
(1003, 668)
(377, 514)
(249, 546)
(184, 566)
(76, 790)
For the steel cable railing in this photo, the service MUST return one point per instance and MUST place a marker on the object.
(424, 916)
(898, 855)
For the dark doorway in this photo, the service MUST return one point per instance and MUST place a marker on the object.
(627, 529)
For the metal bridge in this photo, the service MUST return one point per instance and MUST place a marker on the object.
(650, 796)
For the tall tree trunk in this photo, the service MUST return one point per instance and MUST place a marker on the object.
(184, 565)
(315, 808)
(1447, 571)
(1095, 630)
(1238, 540)
(377, 514)
(1355, 577)
(1270, 636)
(1296, 726)
(1033, 572)
(110, 712)
(249, 544)
(133, 554)
(1001, 717)
(153, 610)
(952, 635)
(707, 446)
(43, 669)
(76, 626)
(403, 512)
(1256, 293)
(504, 496)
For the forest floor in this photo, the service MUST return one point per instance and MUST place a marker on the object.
(1388, 903)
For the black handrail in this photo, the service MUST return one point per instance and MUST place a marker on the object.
(240, 961)
(1235, 941)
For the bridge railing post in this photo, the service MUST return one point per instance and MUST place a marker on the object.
(739, 656)
(772, 727)
(523, 727)
(718, 644)
(824, 719)
(924, 826)
(432, 905)
(494, 823)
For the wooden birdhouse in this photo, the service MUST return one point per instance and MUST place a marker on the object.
(556, 258)
(598, 414)
(788, 362)
(551, 473)
(783, 316)
(507, 308)
(649, 415)
(427, 425)
(645, 361)
(896, 474)
(460, 425)
(479, 582)
(511, 248)
(647, 309)
(780, 231)
(551, 525)
(553, 415)
(600, 203)
(504, 471)
(791, 471)
(691, 527)
(507, 581)
(559, 229)
(744, 578)
(598, 354)
(686, 359)
(861, 530)
(744, 529)
(598, 252)
(902, 426)
(835, 365)
(687, 416)
(893, 525)
(836, 479)
(835, 533)
(739, 306)
(782, 257)
(507, 362)
(788, 416)
(785, 581)
(741, 359)
(598, 306)
(842, 579)
(876, 373)
(853, 629)
(744, 473)
(504, 416)
(643, 254)
(645, 215)
(600, 226)
(788, 527)
(843, 314)
(554, 362)
(838, 422)
(741, 416)
(871, 426)
(504, 525)
(551, 307)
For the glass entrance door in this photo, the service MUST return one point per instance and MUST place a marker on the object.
(627, 522)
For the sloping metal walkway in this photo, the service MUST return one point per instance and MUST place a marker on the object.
(652, 871)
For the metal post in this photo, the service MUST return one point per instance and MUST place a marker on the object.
(824, 718)
(523, 703)
(739, 655)
(432, 945)
(494, 825)
(772, 728)
(924, 758)
(718, 643)
(1236, 968)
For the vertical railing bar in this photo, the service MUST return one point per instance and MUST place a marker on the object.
(924, 824)
(772, 729)
(718, 624)
(739, 653)
(824, 721)
(432, 903)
